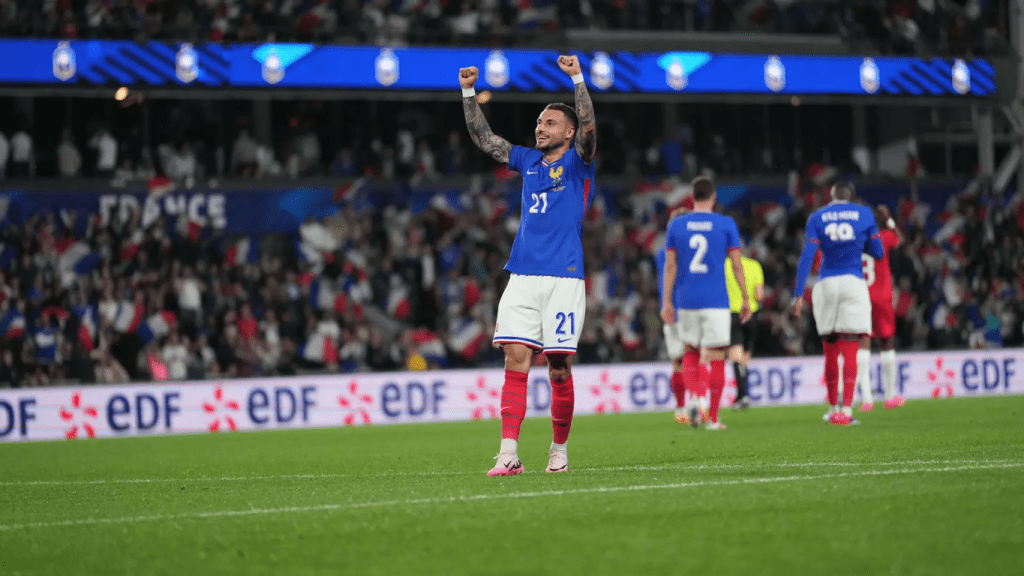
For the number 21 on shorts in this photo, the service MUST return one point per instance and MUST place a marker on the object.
(562, 317)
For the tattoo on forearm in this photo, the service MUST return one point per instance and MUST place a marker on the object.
(586, 139)
(480, 131)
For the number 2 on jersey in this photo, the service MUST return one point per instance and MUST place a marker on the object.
(700, 244)
(540, 203)
(562, 317)
(840, 232)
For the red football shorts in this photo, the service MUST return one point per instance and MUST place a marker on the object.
(883, 319)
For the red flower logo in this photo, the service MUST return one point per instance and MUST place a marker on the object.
(941, 378)
(606, 404)
(483, 399)
(221, 405)
(357, 405)
(76, 417)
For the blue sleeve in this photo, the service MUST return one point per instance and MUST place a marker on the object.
(733, 236)
(515, 158)
(670, 237)
(580, 166)
(803, 269)
(874, 246)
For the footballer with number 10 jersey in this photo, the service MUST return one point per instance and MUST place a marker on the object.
(842, 231)
(842, 308)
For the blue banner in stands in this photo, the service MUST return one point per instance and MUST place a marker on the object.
(307, 66)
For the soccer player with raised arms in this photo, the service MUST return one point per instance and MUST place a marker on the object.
(542, 307)
(696, 248)
(842, 231)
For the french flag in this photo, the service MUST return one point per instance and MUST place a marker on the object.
(467, 337)
(349, 192)
(128, 317)
(245, 250)
(156, 326)
(321, 294)
(429, 346)
(309, 254)
(190, 228)
(7, 254)
(87, 325)
(319, 348)
(131, 246)
(77, 258)
(398, 302)
(12, 324)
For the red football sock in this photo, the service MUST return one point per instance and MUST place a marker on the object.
(513, 404)
(832, 371)
(691, 374)
(679, 389)
(717, 385)
(849, 350)
(562, 402)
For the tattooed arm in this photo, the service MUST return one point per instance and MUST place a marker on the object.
(479, 130)
(586, 134)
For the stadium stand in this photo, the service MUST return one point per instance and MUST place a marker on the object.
(902, 26)
(402, 277)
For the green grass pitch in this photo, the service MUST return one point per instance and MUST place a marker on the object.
(934, 488)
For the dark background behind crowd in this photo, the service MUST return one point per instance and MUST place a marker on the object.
(902, 26)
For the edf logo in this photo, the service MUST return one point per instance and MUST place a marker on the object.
(15, 415)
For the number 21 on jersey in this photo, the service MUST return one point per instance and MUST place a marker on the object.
(540, 203)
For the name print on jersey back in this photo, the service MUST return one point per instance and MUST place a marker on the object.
(701, 241)
(841, 231)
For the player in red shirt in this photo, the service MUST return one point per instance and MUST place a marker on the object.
(878, 276)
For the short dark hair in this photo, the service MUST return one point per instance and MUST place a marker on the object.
(703, 188)
(569, 111)
(843, 191)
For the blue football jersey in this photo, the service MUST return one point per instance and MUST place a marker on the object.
(702, 241)
(555, 201)
(842, 231)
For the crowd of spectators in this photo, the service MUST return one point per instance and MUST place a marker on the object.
(956, 26)
(113, 298)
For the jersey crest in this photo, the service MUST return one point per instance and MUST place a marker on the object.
(556, 174)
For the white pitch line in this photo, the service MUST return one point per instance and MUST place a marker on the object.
(511, 495)
(628, 468)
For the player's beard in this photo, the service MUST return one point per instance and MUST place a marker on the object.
(549, 145)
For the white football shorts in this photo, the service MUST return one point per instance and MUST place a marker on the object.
(543, 312)
(842, 305)
(673, 341)
(709, 327)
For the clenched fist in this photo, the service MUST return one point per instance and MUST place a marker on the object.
(570, 65)
(468, 76)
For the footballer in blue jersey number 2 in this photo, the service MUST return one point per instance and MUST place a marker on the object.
(543, 305)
